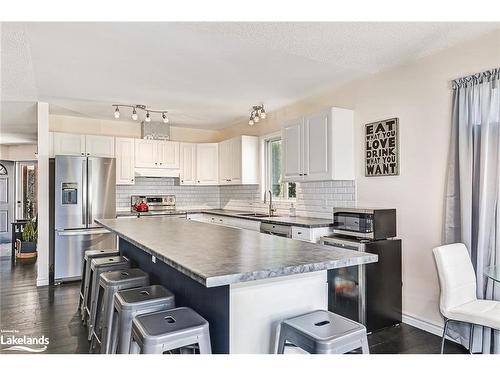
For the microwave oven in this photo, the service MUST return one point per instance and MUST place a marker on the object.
(373, 224)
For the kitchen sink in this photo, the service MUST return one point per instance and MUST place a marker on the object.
(253, 214)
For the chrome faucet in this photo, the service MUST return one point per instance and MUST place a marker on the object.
(271, 208)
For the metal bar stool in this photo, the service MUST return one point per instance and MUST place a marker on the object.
(98, 266)
(84, 286)
(130, 303)
(110, 283)
(158, 332)
(323, 332)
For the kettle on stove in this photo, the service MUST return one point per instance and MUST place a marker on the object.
(141, 206)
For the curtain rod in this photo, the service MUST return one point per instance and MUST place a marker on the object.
(475, 79)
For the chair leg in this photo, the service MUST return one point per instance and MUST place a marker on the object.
(444, 335)
(471, 337)
(364, 346)
(281, 341)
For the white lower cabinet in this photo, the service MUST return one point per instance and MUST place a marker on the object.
(310, 234)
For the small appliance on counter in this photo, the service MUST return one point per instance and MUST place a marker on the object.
(370, 294)
(155, 205)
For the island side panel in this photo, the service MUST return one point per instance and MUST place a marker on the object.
(258, 307)
(211, 303)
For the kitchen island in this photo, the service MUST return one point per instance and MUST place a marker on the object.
(243, 282)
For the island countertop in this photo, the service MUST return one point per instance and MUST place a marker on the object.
(214, 255)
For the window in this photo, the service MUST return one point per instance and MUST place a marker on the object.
(274, 175)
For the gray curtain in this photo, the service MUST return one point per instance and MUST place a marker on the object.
(472, 209)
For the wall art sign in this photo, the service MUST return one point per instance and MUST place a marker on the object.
(382, 148)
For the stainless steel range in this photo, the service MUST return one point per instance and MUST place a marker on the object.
(157, 205)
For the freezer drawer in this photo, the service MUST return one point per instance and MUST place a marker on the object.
(70, 247)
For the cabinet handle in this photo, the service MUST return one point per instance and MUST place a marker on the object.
(88, 153)
(220, 220)
(182, 180)
(305, 174)
(300, 174)
(83, 153)
(132, 180)
(299, 232)
(161, 163)
(156, 163)
(198, 181)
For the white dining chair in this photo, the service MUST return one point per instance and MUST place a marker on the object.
(458, 300)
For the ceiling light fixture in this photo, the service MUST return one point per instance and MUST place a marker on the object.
(136, 107)
(258, 113)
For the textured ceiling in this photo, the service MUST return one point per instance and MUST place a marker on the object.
(207, 75)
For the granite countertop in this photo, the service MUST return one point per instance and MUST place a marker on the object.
(300, 221)
(216, 255)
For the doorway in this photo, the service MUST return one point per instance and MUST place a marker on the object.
(26, 190)
(7, 179)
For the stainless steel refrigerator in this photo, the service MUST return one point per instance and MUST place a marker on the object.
(84, 190)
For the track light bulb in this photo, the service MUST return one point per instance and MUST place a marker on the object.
(165, 118)
(250, 122)
(147, 119)
(256, 119)
(117, 113)
(263, 114)
(134, 115)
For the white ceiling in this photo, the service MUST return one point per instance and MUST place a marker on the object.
(208, 75)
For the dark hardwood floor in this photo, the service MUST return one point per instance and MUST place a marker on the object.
(52, 311)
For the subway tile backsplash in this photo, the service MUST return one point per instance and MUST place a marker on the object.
(314, 199)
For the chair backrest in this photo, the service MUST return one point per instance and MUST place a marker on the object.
(456, 276)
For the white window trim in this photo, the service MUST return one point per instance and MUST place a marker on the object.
(264, 173)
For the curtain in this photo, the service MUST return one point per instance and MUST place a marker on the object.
(472, 209)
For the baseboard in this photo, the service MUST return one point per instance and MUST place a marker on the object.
(423, 325)
(42, 282)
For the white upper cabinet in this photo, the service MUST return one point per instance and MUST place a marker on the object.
(319, 146)
(239, 161)
(83, 145)
(156, 154)
(292, 135)
(101, 146)
(69, 144)
(188, 163)
(207, 163)
(168, 153)
(125, 161)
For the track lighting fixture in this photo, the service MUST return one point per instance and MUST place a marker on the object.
(141, 107)
(258, 113)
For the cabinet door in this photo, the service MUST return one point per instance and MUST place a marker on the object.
(317, 147)
(125, 161)
(292, 135)
(225, 162)
(69, 144)
(100, 146)
(188, 163)
(146, 153)
(168, 154)
(235, 160)
(207, 163)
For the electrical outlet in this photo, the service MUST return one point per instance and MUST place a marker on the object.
(153, 259)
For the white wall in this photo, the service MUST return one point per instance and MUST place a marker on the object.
(18, 152)
(420, 95)
(83, 125)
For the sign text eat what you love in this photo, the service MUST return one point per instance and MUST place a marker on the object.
(382, 148)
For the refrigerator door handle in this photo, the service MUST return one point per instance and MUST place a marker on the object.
(90, 220)
(84, 192)
(68, 233)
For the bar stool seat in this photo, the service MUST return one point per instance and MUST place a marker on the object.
(84, 286)
(97, 267)
(158, 332)
(110, 283)
(131, 302)
(323, 332)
